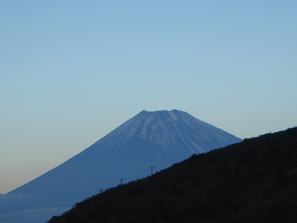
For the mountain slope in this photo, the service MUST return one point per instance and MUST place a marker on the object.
(149, 139)
(252, 181)
(156, 139)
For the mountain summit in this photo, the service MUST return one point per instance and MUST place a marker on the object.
(170, 131)
(148, 141)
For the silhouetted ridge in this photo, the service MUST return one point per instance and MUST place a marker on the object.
(252, 181)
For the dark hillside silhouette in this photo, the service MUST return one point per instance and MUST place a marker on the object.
(252, 181)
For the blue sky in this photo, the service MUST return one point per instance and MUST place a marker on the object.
(72, 71)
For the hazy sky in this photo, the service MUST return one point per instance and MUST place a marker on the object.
(72, 71)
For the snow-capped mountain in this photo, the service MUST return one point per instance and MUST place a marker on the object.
(171, 131)
(149, 139)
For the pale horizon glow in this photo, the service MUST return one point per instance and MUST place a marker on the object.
(72, 71)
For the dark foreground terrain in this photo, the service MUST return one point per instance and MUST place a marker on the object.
(252, 181)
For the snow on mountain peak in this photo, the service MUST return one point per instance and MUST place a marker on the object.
(171, 130)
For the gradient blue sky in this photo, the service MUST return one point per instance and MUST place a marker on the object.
(72, 71)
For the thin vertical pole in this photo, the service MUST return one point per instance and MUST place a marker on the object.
(152, 172)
